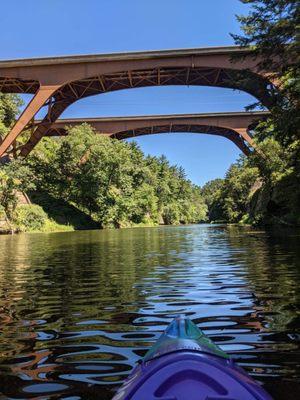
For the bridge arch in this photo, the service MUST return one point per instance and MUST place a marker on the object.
(231, 125)
(230, 134)
(66, 80)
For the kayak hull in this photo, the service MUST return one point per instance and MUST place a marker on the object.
(186, 373)
(190, 376)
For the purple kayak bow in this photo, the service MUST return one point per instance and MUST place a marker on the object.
(184, 364)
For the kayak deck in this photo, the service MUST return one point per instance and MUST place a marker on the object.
(186, 365)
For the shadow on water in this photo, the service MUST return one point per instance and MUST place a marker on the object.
(78, 309)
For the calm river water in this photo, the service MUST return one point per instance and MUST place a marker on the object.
(77, 310)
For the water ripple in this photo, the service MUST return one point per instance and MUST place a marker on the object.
(78, 310)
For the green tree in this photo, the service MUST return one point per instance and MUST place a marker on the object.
(113, 181)
(229, 198)
(238, 187)
(272, 30)
(211, 193)
(15, 177)
(9, 109)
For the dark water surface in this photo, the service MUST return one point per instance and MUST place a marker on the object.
(77, 310)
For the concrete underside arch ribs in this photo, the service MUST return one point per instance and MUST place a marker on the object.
(218, 131)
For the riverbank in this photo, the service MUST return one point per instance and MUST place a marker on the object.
(50, 226)
(42, 213)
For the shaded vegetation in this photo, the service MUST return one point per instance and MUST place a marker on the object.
(228, 199)
(9, 109)
(61, 213)
(15, 177)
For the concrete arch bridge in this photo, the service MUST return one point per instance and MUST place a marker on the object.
(235, 126)
(57, 82)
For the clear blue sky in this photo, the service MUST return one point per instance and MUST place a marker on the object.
(35, 28)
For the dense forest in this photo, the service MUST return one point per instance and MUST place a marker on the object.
(110, 181)
(88, 180)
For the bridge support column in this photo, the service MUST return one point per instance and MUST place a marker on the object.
(36, 103)
(245, 135)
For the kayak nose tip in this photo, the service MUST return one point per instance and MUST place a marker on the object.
(183, 334)
(182, 327)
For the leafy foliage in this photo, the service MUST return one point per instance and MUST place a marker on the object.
(211, 193)
(272, 30)
(114, 182)
(14, 177)
(271, 27)
(9, 108)
(229, 198)
(30, 217)
(236, 195)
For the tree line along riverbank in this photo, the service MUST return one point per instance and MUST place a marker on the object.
(85, 180)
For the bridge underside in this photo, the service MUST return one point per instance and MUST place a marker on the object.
(230, 134)
(217, 131)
